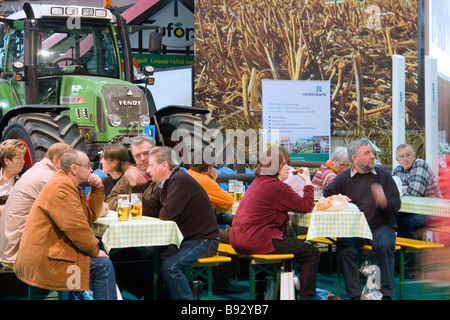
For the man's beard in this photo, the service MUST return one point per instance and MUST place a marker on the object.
(367, 167)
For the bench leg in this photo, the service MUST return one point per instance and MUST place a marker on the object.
(402, 273)
(338, 279)
(330, 258)
(251, 280)
(155, 274)
(30, 292)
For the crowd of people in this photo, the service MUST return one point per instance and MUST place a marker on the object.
(46, 218)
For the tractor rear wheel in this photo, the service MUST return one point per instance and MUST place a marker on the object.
(38, 131)
(191, 133)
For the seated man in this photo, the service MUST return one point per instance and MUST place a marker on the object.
(182, 199)
(135, 178)
(417, 180)
(206, 175)
(375, 193)
(58, 250)
(337, 164)
(21, 198)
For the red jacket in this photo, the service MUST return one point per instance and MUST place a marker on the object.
(262, 214)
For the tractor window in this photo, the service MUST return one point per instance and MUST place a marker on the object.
(15, 49)
(87, 50)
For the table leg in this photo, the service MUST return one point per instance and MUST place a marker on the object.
(155, 273)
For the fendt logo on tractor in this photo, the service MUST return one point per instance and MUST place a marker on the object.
(57, 60)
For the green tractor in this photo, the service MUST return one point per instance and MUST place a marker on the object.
(65, 78)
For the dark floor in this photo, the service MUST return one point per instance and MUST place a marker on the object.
(414, 290)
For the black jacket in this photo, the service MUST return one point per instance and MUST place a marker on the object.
(183, 200)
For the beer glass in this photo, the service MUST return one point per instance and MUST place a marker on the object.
(239, 191)
(136, 206)
(123, 207)
(318, 192)
(232, 187)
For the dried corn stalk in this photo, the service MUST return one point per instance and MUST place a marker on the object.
(240, 42)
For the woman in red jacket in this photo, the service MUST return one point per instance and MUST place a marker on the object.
(262, 213)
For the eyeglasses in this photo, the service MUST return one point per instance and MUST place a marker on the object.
(403, 156)
(88, 166)
(143, 155)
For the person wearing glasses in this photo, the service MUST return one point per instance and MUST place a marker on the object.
(135, 179)
(417, 180)
(58, 249)
(337, 164)
(416, 175)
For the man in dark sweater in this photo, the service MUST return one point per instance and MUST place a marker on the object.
(375, 193)
(180, 198)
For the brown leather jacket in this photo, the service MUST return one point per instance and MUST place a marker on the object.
(58, 240)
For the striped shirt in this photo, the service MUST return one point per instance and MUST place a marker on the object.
(324, 175)
(420, 180)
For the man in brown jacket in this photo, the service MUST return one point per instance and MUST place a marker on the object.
(58, 250)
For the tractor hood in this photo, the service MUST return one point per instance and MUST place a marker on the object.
(104, 102)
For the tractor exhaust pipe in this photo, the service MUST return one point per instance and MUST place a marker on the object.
(30, 59)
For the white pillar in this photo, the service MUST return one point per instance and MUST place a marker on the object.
(431, 114)
(398, 104)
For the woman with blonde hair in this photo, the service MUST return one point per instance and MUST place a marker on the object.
(12, 154)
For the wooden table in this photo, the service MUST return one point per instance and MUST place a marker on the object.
(136, 233)
(146, 232)
(330, 224)
(426, 206)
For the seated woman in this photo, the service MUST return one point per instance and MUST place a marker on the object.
(338, 163)
(262, 213)
(12, 154)
(114, 158)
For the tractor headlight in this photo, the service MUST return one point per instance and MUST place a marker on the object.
(144, 120)
(114, 120)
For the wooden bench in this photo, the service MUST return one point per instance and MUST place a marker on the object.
(330, 242)
(258, 263)
(406, 247)
(409, 249)
(203, 268)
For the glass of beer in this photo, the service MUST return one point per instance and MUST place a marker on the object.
(318, 192)
(232, 187)
(239, 191)
(136, 206)
(123, 207)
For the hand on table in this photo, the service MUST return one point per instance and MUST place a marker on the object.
(105, 209)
